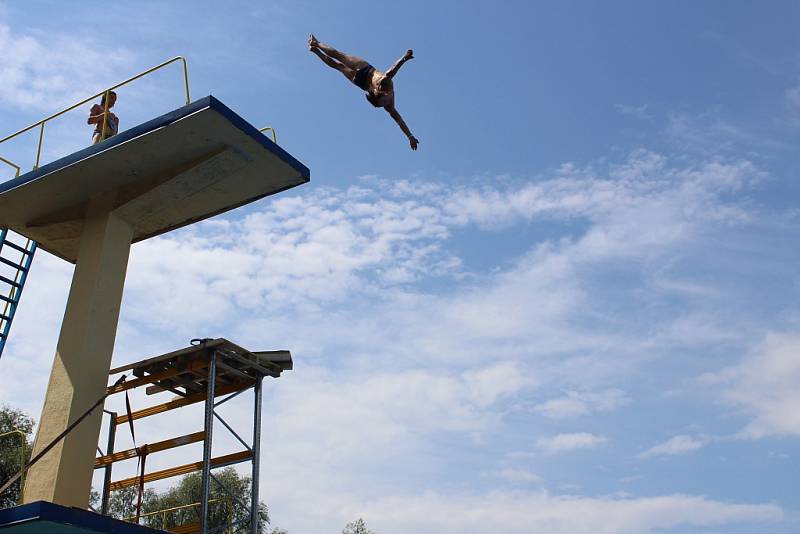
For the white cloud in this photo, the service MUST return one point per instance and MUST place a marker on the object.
(524, 512)
(387, 406)
(28, 356)
(681, 444)
(368, 247)
(640, 112)
(575, 404)
(48, 71)
(764, 385)
(710, 134)
(489, 384)
(514, 475)
(570, 442)
(405, 357)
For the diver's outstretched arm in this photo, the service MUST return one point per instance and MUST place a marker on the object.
(399, 63)
(402, 124)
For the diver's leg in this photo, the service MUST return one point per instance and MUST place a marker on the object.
(353, 62)
(348, 73)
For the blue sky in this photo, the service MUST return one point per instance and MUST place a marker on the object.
(574, 309)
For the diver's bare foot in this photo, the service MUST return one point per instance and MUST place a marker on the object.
(312, 42)
(409, 55)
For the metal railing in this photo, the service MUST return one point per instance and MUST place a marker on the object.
(10, 164)
(104, 93)
(272, 130)
(163, 513)
(22, 457)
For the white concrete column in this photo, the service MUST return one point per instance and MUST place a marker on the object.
(83, 358)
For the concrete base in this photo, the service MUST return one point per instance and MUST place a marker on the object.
(83, 357)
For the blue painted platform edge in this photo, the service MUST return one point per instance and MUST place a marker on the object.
(153, 124)
(54, 513)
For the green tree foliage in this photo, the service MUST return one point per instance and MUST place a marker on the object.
(122, 503)
(11, 450)
(357, 527)
(223, 508)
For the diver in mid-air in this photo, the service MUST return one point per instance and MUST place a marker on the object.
(377, 84)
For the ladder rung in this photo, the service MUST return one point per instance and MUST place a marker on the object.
(12, 264)
(5, 318)
(17, 247)
(10, 282)
(9, 300)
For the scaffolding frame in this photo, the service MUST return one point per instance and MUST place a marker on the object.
(208, 369)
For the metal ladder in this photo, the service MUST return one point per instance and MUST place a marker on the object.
(15, 264)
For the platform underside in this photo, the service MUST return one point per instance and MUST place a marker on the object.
(183, 167)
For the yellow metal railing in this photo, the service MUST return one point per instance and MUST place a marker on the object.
(105, 92)
(163, 513)
(272, 130)
(10, 164)
(23, 441)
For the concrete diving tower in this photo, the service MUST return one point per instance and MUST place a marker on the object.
(88, 208)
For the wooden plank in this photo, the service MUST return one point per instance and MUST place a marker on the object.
(185, 401)
(271, 369)
(147, 379)
(283, 358)
(220, 461)
(152, 390)
(229, 369)
(187, 528)
(171, 443)
(187, 381)
(193, 350)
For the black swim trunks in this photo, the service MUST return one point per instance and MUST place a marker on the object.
(363, 77)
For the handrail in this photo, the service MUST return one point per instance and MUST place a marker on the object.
(274, 136)
(165, 511)
(23, 441)
(16, 167)
(42, 122)
(168, 510)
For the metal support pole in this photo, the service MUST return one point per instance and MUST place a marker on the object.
(39, 148)
(112, 431)
(256, 456)
(209, 424)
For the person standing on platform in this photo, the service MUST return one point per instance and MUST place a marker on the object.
(378, 85)
(111, 121)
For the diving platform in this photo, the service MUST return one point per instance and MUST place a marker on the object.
(180, 168)
(44, 517)
(88, 208)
